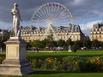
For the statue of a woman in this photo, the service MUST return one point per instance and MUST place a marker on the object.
(16, 19)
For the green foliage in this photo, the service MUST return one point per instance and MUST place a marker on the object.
(3, 38)
(86, 43)
(61, 43)
(75, 46)
(69, 42)
(68, 63)
(38, 44)
(50, 43)
(46, 54)
(94, 64)
(95, 43)
(2, 57)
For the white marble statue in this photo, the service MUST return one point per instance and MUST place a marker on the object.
(16, 19)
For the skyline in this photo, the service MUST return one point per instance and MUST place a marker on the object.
(84, 12)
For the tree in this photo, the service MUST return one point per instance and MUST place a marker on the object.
(69, 42)
(85, 42)
(50, 37)
(50, 42)
(29, 44)
(61, 43)
(3, 38)
(95, 43)
(75, 46)
(37, 44)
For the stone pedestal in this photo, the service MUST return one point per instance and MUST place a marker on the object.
(15, 62)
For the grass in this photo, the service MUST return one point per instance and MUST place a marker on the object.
(65, 53)
(68, 75)
(63, 75)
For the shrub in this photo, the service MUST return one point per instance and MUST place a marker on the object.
(69, 63)
(66, 64)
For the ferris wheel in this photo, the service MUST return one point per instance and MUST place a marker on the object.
(51, 13)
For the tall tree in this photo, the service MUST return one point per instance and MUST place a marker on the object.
(95, 43)
(61, 43)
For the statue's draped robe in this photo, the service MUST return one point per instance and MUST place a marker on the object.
(16, 20)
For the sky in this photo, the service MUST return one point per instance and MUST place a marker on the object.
(85, 12)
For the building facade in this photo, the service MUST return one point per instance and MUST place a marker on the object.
(72, 32)
(97, 32)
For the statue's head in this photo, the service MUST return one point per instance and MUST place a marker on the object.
(15, 4)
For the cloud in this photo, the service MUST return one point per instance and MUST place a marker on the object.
(82, 10)
(86, 28)
(78, 2)
(99, 13)
(27, 6)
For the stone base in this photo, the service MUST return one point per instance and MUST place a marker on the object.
(15, 67)
(15, 62)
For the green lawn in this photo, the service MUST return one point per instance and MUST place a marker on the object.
(66, 53)
(67, 75)
(63, 75)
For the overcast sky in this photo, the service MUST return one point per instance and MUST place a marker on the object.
(84, 12)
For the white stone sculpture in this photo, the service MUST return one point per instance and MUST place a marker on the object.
(16, 19)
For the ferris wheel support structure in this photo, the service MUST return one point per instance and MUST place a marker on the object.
(51, 13)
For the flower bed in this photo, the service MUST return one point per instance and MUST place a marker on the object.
(69, 63)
